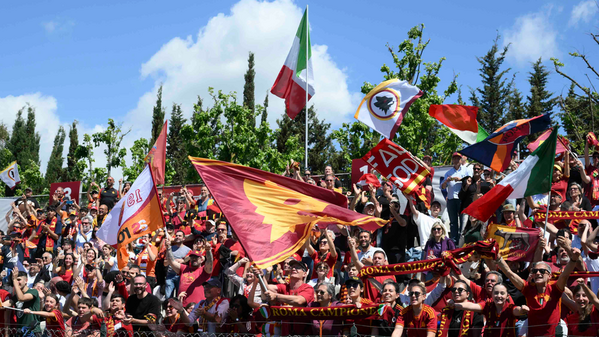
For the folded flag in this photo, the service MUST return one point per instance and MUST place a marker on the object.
(273, 215)
(532, 177)
(386, 105)
(592, 140)
(561, 147)
(157, 156)
(138, 213)
(296, 76)
(515, 244)
(10, 175)
(461, 120)
(497, 149)
(366, 179)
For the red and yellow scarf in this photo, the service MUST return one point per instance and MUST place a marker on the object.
(203, 322)
(446, 317)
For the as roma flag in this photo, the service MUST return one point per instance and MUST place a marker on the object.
(273, 215)
(157, 156)
(514, 243)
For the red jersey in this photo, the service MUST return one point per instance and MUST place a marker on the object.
(417, 326)
(55, 324)
(499, 324)
(191, 282)
(4, 295)
(589, 329)
(544, 307)
(480, 294)
(114, 327)
(371, 292)
(232, 245)
(328, 258)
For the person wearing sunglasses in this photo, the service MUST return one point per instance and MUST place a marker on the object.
(326, 251)
(325, 297)
(438, 241)
(542, 297)
(417, 319)
(457, 321)
(499, 312)
(355, 287)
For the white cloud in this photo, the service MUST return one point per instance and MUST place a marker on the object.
(532, 36)
(584, 11)
(57, 26)
(217, 57)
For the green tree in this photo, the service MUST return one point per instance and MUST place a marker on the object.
(18, 143)
(4, 135)
(112, 138)
(540, 100)
(31, 176)
(493, 100)
(419, 133)
(517, 110)
(248, 87)
(54, 168)
(265, 110)
(75, 168)
(34, 137)
(320, 141)
(138, 156)
(175, 149)
(157, 119)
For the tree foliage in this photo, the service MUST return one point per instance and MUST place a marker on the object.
(138, 151)
(157, 119)
(54, 170)
(75, 166)
(248, 87)
(112, 138)
(24, 142)
(176, 147)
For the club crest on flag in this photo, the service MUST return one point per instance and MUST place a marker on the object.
(385, 103)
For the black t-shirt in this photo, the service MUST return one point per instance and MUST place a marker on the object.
(108, 197)
(386, 213)
(456, 323)
(466, 194)
(139, 308)
(485, 187)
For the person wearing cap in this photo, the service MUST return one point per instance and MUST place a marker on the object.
(193, 274)
(47, 233)
(509, 216)
(212, 309)
(452, 182)
(355, 288)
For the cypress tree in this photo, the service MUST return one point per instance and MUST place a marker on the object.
(157, 118)
(495, 92)
(54, 169)
(176, 153)
(72, 173)
(265, 112)
(34, 137)
(248, 87)
(540, 100)
(19, 142)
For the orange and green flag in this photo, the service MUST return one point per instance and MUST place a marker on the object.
(273, 215)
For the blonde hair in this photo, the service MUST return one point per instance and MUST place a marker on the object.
(439, 223)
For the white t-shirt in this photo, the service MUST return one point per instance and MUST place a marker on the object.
(221, 308)
(370, 253)
(425, 224)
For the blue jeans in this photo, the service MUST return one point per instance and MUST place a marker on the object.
(172, 283)
(453, 210)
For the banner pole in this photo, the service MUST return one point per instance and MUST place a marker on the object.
(307, 76)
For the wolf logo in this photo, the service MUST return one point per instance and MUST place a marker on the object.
(384, 103)
(519, 241)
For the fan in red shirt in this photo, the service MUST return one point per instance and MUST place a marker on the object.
(232, 243)
(417, 319)
(114, 316)
(542, 296)
(379, 258)
(584, 320)
(481, 294)
(499, 313)
(326, 251)
(54, 319)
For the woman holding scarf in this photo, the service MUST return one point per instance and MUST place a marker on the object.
(355, 287)
(325, 294)
(417, 319)
(389, 297)
(455, 321)
(500, 314)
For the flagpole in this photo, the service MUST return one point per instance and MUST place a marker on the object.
(307, 75)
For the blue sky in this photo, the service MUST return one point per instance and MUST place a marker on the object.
(73, 60)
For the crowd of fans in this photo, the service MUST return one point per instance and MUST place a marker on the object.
(194, 275)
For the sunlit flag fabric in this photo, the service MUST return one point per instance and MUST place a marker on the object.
(561, 147)
(136, 214)
(496, 151)
(273, 215)
(10, 175)
(291, 82)
(532, 177)
(367, 179)
(461, 120)
(385, 106)
(157, 156)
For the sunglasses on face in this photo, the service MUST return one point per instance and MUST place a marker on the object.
(414, 293)
(437, 229)
(329, 181)
(542, 271)
(353, 285)
(323, 268)
(320, 292)
(457, 290)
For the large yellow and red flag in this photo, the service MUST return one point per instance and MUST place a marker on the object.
(514, 243)
(273, 215)
(137, 213)
(157, 156)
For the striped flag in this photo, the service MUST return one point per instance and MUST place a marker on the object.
(296, 76)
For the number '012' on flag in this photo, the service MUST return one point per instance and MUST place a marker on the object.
(385, 106)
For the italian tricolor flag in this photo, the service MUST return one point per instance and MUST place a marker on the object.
(531, 178)
(296, 74)
(460, 119)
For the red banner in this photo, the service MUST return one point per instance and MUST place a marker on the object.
(515, 244)
(397, 164)
(566, 215)
(359, 168)
(72, 189)
(450, 260)
(343, 312)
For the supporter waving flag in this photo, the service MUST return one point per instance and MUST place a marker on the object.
(273, 215)
(138, 213)
(10, 175)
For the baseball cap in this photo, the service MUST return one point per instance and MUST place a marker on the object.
(508, 208)
(354, 279)
(73, 212)
(456, 154)
(195, 253)
(554, 191)
(213, 282)
(298, 264)
(369, 204)
(93, 207)
(210, 222)
(28, 189)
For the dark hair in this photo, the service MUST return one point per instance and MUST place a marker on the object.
(467, 286)
(86, 301)
(181, 232)
(369, 234)
(394, 284)
(55, 298)
(435, 202)
(95, 254)
(19, 274)
(62, 264)
(246, 310)
(69, 242)
(84, 209)
(584, 321)
(118, 295)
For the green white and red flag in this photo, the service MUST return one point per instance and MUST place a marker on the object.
(296, 75)
(461, 120)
